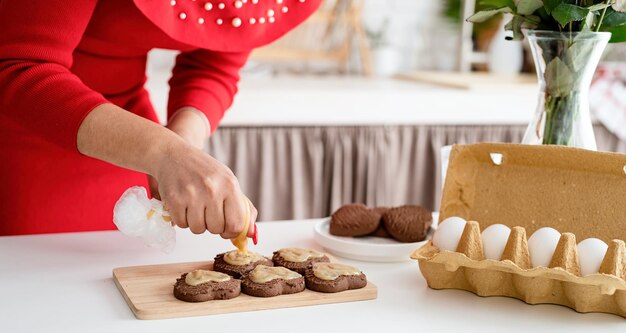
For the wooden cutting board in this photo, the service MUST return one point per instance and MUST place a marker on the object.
(148, 290)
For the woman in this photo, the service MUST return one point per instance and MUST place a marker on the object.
(77, 126)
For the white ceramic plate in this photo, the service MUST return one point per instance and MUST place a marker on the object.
(375, 249)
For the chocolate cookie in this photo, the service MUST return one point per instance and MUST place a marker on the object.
(381, 231)
(297, 259)
(265, 281)
(408, 223)
(380, 210)
(237, 264)
(353, 220)
(333, 278)
(202, 286)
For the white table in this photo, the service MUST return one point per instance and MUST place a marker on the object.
(62, 283)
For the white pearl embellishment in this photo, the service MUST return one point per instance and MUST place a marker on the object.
(237, 22)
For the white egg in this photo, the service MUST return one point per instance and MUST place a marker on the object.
(449, 233)
(494, 238)
(591, 252)
(541, 246)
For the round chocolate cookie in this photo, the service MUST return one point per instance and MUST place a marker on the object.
(225, 288)
(353, 220)
(264, 281)
(381, 231)
(238, 269)
(334, 278)
(297, 259)
(408, 223)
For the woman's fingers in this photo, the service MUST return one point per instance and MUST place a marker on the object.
(180, 217)
(235, 216)
(253, 215)
(154, 187)
(214, 217)
(195, 219)
(203, 194)
(177, 210)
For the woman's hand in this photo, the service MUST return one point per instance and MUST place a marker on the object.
(201, 193)
(191, 125)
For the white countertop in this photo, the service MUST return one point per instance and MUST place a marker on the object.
(363, 101)
(336, 101)
(62, 283)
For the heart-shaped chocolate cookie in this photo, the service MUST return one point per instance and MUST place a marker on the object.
(266, 281)
(203, 285)
(354, 220)
(237, 264)
(328, 277)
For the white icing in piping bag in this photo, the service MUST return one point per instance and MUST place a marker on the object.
(137, 216)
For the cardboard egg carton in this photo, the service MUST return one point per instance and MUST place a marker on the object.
(578, 192)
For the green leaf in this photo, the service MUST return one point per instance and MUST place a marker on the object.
(618, 34)
(515, 25)
(613, 19)
(579, 52)
(497, 4)
(484, 15)
(527, 7)
(531, 20)
(589, 21)
(566, 13)
(559, 78)
(549, 5)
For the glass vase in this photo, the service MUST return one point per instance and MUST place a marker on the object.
(565, 64)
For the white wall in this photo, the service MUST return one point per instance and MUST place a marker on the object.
(424, 39)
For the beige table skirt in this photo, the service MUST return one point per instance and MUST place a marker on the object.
(307, 172)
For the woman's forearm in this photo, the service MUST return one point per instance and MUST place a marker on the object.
(114, 135)
(200, 192)
(192, 125)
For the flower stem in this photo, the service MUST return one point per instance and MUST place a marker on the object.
(602, 17)
(561, 112)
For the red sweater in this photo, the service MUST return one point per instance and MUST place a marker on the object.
(59, 59)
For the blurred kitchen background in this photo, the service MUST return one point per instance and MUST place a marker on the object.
(356, 104)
